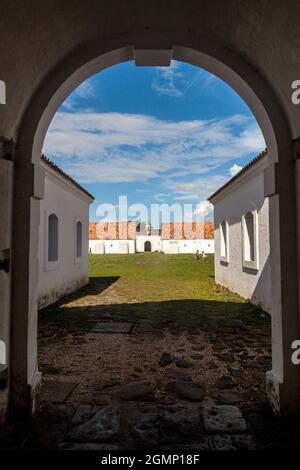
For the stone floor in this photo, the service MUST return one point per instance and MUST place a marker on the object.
(189, 389)
(152, 375)
(188, 393)
(132, 426)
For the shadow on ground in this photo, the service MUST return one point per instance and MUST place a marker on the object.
(174, 314)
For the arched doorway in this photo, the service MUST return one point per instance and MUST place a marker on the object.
(147, 245)
(151, 49)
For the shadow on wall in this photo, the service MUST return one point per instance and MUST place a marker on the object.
(262, 295)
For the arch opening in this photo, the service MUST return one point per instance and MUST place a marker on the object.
(231, 69)
(147, 245)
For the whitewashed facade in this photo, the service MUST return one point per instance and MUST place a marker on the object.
(188, 246)
(242, 248)
(63, 235)
(129, 237)
(112, 237)
(145, 243)
(121, 247)
(187, 237)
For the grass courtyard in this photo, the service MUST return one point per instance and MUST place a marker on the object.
(171, 288)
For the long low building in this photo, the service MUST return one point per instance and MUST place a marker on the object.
(112, 237)
(187, 237)
(129, 237)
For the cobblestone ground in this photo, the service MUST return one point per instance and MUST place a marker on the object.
(140, 375)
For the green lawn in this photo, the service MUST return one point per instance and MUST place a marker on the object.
(170, 285)
(174, 291)
(158, 277)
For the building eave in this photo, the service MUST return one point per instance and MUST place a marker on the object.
(247, 168)
(55, 168)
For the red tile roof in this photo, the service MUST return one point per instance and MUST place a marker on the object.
(112, 230)
(187, 231)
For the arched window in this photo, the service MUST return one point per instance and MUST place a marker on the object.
(78, 239)
(52, 238)
(224, 240)
(249, 239)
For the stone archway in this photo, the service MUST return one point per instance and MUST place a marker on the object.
(155, 47)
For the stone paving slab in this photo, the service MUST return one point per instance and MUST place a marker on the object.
(143, 427)
(180, 424)
(225, 419)
(113, 327)
(103, 426)
(136, 391)
(56, 391)
(177, 374)
(188, 390)
(231, 442)
(88, 446)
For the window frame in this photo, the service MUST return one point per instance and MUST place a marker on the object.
(250, 264)
(224, 259)
(51, 265)
(78, 259)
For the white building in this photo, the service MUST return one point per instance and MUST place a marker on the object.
(112, 237)
(187, 237)
(242, 247)
(132, 237)
(147, 239)
(63, 235)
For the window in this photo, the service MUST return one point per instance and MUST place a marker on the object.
(78, 239)
(224, 241)
(249, 230)
(249, 237)
(52, 238)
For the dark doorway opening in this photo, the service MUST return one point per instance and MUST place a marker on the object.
(147, 245)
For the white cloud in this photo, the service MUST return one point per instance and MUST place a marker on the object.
(186, 197)
(204, 209)
(114, 147)
(169, 80)
(235, 169)
(203, 186)
(160, 197)
(85, 90)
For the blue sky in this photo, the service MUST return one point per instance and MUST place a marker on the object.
(168, 135)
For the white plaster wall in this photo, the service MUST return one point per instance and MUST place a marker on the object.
(70, 206)
(101, 247)
(155, 241)
(248, 195)
(190, 246)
